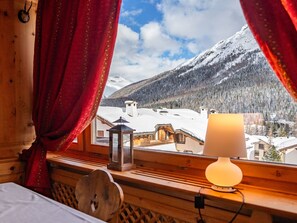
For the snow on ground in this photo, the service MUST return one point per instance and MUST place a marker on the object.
(146, 120)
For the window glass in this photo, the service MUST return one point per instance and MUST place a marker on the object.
(126, 144)
(176, 62)
(115, 147)
(100, 134)
(180, 138)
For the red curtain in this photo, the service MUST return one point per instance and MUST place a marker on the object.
(73, 49)
(274, 26)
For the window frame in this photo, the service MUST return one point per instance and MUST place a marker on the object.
(86, 146)
(180, 138)
(271, 176)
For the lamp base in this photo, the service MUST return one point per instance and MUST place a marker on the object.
(223, 189)
(223, 174)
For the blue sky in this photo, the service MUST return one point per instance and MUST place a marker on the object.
(158, 35)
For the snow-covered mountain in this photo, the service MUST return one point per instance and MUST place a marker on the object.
(114, 84)
(232, 76)
(240, 43)
(229, 54)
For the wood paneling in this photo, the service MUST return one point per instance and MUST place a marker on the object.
(11, 170)
(275, 177)
(16, 69)
(171, 193)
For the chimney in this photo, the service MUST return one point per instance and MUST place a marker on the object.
(212, 111)
(131, 108)
(204, 112)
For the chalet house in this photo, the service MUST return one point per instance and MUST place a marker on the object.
(156, 127)
(256, 146)
(288, 149)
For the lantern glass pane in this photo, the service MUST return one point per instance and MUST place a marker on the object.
(127, 149)
(115, 147)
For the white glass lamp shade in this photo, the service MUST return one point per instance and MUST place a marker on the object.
(223, 174)
(224, 139)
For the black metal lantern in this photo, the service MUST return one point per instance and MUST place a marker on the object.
(120, 146)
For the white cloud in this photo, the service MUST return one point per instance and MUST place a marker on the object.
(127, 13)
(134, 63)
(205, 21)
(192, 25)
(127, 41)
(151, 1)
(156, 41)
(143, 66)
(193, 47)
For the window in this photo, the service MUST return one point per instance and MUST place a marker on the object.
(169, 110)
(180, 138)
(256, 152)
(77, 143)
(100, 133)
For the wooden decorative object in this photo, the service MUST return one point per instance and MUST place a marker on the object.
(120, 147)
(98, 195)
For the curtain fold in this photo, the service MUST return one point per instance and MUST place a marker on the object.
(74, 45)
(274, 26)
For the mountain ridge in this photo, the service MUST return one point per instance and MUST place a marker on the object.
(232, 76)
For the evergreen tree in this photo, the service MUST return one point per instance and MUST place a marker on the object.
(295, 127)
(272, 155)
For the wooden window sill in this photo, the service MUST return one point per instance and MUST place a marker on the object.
(186, 186)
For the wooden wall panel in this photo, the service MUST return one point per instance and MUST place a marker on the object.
(16, 70)
(11, 170)
(143, 203)
(154, 194)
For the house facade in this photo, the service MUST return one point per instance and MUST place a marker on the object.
(182, 130)
(288, 149)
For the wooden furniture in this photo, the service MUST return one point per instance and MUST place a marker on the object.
(166, 196)
(98, 195)
(21, 205)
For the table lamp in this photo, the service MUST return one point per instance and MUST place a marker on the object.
(224, 139)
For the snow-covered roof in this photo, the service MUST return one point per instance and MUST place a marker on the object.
(250, 140)
(189, 133)
(285, 142)
(164, 147)
(265, 139)
(147, 119)
(279, 142)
